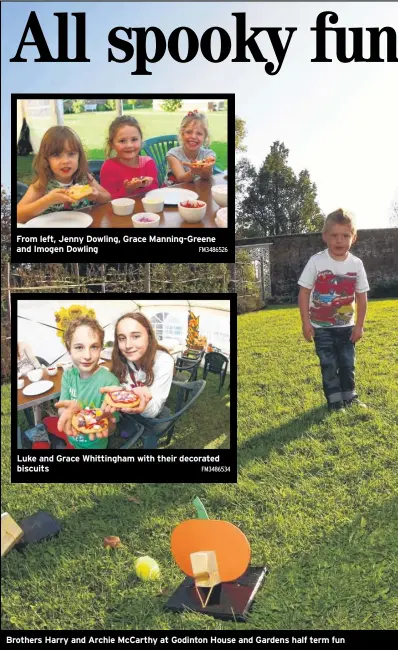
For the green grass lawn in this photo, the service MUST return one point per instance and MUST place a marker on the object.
(316, 497)
(92, 128)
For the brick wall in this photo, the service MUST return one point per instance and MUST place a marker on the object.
(377, 248)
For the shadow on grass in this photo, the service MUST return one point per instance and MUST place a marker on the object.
(260, 445)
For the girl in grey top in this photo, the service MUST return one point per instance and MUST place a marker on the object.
(193, 159)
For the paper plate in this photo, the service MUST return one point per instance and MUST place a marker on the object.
(171, 195)
(38, 387)
(64, 219)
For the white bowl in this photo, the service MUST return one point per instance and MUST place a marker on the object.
(52, 371)
(21, 383)
(35, 375)
(222, 218)
(220, 195)
(154, 223)
(153, 205)
(123, 207)
(193, 214)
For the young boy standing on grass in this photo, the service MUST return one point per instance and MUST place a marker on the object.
(330, 285)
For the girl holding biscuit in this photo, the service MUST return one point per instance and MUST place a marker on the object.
(192, 160)
(141, 364)
(127, 173)
(62, 180)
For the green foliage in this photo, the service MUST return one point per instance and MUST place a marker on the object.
(111, 104)
(78, 105)
(103, 108)
(274, 201)
(171, 105)
(240, 134)
(247, 285)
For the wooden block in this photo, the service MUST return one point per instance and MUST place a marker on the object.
(11, 533)
(205, 568)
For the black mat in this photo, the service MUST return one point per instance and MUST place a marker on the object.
(36, 528)
(230, 602)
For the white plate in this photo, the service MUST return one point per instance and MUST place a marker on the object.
(64, 219)
(21, 225)
(38, 387)
(171, 195)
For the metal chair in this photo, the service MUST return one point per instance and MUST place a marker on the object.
(157, 149)
(155, 428)
(21, 190)
(216, 363)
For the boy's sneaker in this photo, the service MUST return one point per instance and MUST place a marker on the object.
(355, 402)
(336, 406)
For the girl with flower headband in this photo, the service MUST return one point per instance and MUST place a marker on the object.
(192, 160)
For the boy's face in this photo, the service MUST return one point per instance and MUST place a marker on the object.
(339, 239)
(85, 350)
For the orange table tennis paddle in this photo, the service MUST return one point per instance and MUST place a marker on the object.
(229, 543)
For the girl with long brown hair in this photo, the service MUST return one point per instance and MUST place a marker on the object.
(59, 164)
(141, 363)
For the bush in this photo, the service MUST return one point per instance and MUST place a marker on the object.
(103, 107)
(78, 106)
(171, 105)
(111, 104)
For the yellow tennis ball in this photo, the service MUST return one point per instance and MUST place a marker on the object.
(146, 568)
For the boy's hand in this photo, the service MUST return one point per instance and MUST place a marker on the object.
(308, 332)
(357, 333)
(65, 419)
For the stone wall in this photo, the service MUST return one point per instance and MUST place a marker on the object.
(377, 248)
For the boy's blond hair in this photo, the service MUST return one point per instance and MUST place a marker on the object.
(341, 217)
(87, 322)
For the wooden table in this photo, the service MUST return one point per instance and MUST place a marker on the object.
(34, 401)
(103, 216)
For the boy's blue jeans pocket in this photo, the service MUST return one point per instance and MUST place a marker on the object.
(337, 358)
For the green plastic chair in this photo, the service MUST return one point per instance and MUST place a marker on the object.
(157, 149)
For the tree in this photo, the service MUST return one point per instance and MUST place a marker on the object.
(274, 200)
(171, 105)
(240, 134)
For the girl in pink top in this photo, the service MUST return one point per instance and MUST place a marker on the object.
(127, 173)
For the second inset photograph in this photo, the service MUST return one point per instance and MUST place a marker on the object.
(123, 374)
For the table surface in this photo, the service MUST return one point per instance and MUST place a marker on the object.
(103, 216)
(25, 401)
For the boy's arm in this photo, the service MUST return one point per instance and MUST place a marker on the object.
(304, 305)
(362, 305)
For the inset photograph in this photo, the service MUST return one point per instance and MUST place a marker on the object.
(123, 374)
(90, 162)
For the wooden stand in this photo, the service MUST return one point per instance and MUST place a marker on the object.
(11, 533)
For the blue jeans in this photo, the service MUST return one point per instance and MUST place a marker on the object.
(337, 358)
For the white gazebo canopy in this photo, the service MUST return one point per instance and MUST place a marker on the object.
(169, 318)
